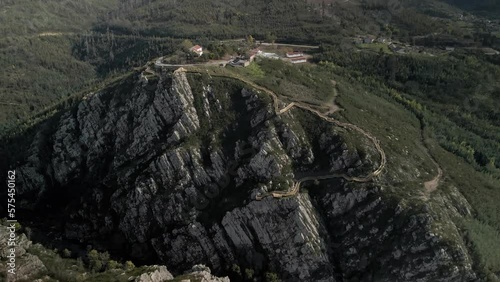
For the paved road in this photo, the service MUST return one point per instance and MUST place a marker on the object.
(9, 104)
(273, 44)
(158, 63)
(289, 45)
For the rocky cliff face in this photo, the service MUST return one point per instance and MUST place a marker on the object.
(167, 170)
(31, 260)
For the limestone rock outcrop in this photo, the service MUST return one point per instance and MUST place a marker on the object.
(171, 167)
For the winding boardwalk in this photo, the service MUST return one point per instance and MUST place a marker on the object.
(363, 179)
(296, 186)
(429, 186)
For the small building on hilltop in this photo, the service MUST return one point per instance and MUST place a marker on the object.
(490, 51)
(369, 39)
(239, 62)
(298, 60)
(266, 55)
(357, 40)
(397, 49)
(197, 49)
(253, 54)
(382, 40)
(295, 54)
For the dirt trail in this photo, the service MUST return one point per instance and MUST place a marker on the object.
(296, 186)
(431, 185)
(43, 34)
(363, 179)
(331, 105)
(332, 108)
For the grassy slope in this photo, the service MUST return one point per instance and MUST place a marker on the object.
(482, 191)
(399, 132)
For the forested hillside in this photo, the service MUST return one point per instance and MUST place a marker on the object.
(462, 88)
(490, 7)
(457, 100)
(45, 44)
(24, 17)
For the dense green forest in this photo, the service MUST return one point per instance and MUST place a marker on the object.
(484, 6)
(52, 48)
(464, 89)
(38, 71)
(35, 72)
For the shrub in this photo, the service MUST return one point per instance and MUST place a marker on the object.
(129, 266)
(236, 269)
(97, 261)
(66, 253)
(95, 264)
(249, 273)
(113, 264)
(272, 277)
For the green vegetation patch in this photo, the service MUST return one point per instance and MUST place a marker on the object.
(453, 100)
(376, 47)
(486, 242)
(37, 72)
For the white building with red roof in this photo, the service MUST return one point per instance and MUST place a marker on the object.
(197, 49)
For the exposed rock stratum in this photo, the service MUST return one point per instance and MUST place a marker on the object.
(166, 171)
